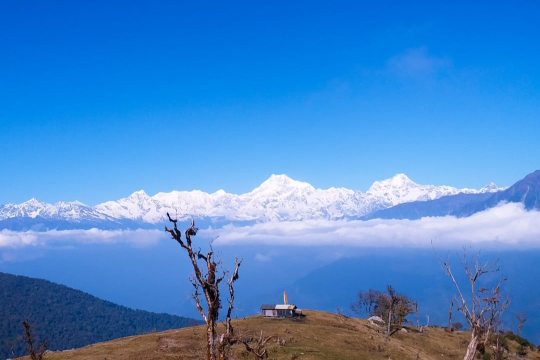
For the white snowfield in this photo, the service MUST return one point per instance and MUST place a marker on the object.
(279, 198)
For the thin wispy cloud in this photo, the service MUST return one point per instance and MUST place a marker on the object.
(266, 256)
(417, 62)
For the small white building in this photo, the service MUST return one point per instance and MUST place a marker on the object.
(281, 310)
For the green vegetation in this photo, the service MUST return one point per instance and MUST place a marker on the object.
(68, 318)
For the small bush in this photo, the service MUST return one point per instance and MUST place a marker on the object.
(519, 339)
(522, 350)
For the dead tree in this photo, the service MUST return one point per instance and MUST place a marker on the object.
(207, 279)
(482, 308)
(257, 345)
(417, 315)
(35, 354)
(393, 301)
(390, 306)
(521, 319)
(208, 282)
(451, 315)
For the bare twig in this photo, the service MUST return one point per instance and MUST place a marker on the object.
(32, 352)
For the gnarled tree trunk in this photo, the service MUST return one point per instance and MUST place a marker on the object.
(473, 344)
(208, 281)
(483, 310)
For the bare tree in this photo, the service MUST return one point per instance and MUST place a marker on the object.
(256, 345)
(35, 354)
(417, 315)
(390, 306)
(207, 279)
(521, 319)
(366, 302)
(482, 308)
(450, 315)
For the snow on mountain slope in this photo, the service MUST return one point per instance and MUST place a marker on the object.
(400, 189)
(74, 211)
(277, 198)
(137, 206)
(282, 198)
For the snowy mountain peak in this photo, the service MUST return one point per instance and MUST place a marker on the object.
(397, 181)
(491, 187)
(139, 194)
(400, 180)
(279, 179)
(400, 189)
(279, 183)
(33, 202)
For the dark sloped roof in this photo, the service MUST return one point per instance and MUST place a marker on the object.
(268, 307)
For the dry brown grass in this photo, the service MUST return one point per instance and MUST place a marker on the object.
(319, 335)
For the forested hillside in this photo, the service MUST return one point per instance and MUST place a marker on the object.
(66, 317)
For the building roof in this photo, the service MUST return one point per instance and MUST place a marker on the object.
(278, 307)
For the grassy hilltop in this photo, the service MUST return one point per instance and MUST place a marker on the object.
(319, 335)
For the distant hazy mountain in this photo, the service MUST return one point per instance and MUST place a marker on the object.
(525, 191)
(277, 198)
(68, 318)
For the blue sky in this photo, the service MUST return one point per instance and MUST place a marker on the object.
(100, 99)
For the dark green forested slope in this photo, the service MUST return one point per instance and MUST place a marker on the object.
(66, 317)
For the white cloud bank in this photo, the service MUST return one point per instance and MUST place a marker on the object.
(17, 239)
(508, 225)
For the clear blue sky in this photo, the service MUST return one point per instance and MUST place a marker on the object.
(98, 99)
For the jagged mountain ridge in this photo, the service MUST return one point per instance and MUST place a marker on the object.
(67, 210)
(278, 198)
(526, 191)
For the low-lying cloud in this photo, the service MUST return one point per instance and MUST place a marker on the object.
(508, 225)
(17, 239)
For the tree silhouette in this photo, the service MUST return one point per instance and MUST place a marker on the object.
(207, 279)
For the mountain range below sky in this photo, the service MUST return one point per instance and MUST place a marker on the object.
(279, 198)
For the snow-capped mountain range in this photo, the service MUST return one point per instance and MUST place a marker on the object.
(278, 198)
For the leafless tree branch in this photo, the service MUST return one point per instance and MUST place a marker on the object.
(485, 305)
(34, 354)
(206, 281)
